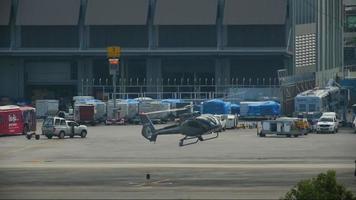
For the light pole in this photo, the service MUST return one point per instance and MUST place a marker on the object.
(113, 54)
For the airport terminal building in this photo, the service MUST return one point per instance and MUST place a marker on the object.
(48, 48)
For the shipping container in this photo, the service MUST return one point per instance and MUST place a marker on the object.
(46, 107)
(84, 114)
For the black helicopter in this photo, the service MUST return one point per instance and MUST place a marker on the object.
(193, 127)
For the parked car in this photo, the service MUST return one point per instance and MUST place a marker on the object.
(59, 127)
(327, 124)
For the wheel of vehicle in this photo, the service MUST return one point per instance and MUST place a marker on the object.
(49, 136)
(71, 136)
(337, 130)
(29, 136)
(317, 132)
(37, 137)
(180, 143)
(296, 135)
(61, 135)
(25, 130)
(262, 135)
(83, 134)
(288, 135)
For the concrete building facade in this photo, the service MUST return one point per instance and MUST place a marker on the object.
(48, 48)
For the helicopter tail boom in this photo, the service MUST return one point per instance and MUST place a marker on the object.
(148, 130)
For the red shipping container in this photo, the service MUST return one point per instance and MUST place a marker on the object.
(11, 121)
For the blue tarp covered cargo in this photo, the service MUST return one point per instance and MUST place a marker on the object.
(235, 109)
(259, 109)
(216, 106)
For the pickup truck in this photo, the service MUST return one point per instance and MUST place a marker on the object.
(59, 127)
(327, 124)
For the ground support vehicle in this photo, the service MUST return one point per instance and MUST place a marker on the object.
(59, 127)
(29, 122)
(227, 121)
(120, 113)
(222, 121)
(231, 121)
(287, 127)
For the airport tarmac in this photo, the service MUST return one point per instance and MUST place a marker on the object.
(113, 161)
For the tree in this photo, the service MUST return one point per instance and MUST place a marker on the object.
(322, 187)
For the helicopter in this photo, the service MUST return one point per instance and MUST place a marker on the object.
(194, 127)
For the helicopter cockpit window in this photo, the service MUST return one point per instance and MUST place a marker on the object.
(193, 124)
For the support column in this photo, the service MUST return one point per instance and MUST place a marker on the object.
(15, 30)
(289, 65)
(83, 30)
(154, 75)
(221, 29)
(291, 36)
(152, 29)
(20, 68)
(85, 76)
(222, 74)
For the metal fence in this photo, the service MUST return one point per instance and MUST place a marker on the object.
(196, 89)
(283, 89)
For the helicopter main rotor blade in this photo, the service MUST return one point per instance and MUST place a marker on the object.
(169, 110)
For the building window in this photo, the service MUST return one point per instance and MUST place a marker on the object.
(124, 36)
(187, 36)
(302, 108)
(4, 36)
(49, 36)
(351, 23)
(256, 36)
(312, 108)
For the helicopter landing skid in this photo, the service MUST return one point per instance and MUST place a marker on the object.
(195, 139)
(188, 138)
(211, 137)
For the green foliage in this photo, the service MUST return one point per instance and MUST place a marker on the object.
(322, 187)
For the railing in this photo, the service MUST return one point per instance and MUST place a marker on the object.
(283, 89)
(196, 89)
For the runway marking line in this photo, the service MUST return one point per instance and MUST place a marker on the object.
(152, 183)
(54, 165)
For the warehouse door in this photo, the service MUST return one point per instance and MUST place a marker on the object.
(51, 79)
